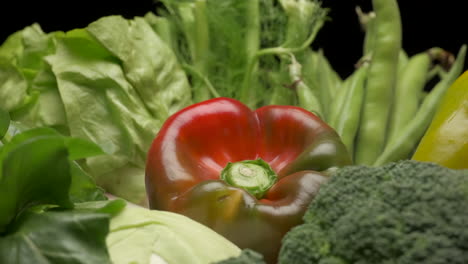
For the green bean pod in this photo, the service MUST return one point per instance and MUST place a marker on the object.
(328, 81)
(381, 81)
(367, 21)
(410, 83)
(401, 147)
(338, 101)
(402, 62)
(306, 97)
(348, 121)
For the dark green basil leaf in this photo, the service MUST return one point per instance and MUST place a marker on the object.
(57, 237)
(36, 171)
(79, 148)
(24, 134)
(4, 122)
(111, 207)
(83, 188)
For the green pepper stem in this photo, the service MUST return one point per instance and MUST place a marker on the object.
(254, 176)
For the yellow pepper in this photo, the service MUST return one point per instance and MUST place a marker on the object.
(446, 140)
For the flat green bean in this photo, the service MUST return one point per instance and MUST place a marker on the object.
(381, 81)
(348, 121)
(402, 146)
(410, 83)
(402, 61)
(339, 100)
(306, 97)
(367, 21)
(328, 81)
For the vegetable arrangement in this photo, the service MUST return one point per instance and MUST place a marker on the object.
(89, 83)
(237, 123)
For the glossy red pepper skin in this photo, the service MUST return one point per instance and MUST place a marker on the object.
(195, 144)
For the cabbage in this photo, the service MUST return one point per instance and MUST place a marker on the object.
(139, 235)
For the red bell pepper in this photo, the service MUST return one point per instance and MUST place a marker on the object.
(249, 175)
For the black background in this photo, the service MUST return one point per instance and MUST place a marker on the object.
(425, 23)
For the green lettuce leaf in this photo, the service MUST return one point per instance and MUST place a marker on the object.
(116, 97)
(27, 87)
(11, 46)
(153, 71)
(102, 107)
(13, 86)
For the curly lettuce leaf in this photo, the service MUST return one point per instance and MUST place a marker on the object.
(27, 87)
(13, 86)
(102, 106)
(118, 98)
(153, 71)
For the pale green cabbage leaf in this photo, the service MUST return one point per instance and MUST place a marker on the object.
(143, 236)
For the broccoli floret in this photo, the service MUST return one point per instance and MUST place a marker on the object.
(247, 256)
(404, 212)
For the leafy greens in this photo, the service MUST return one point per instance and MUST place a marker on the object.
(91, 84)
(116, 81)
(41, 181)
